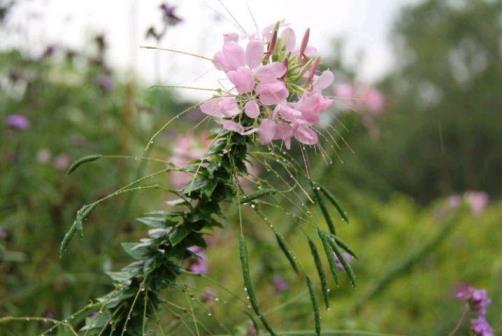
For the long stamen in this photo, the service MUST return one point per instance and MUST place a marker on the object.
(178, 52)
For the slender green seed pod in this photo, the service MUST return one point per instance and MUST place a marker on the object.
(83, 160)
(315, 306)
(320, 271)
(287, 251)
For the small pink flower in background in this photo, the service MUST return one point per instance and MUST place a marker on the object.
(361, 98)
(198, 263)
(44, 155)
(280, 284)
(187, 148)
(17, 121)
(477, 200)
(62, 161)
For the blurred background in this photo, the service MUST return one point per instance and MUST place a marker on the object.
(417, 120)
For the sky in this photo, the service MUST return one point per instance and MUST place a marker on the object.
(363, 24)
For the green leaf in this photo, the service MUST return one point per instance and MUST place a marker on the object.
(83, 160)
(77, 226)
(320, 271)
(315, 306)
(178, 234)
(335, 203)
(287, 251)
(136, 250)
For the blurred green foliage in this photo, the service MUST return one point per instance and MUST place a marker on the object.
(441, 129)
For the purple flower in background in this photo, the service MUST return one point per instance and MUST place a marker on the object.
(208, 296)
(17, 121)
(280, 284)
(348, 258)
(169, 13)
(478, 301)
(481, 327)
(105, 82)
(197, 263)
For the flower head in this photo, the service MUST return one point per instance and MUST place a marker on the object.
(280, 284)
(478, 301)
(277, 90)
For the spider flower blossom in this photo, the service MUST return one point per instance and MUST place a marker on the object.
(277, 88)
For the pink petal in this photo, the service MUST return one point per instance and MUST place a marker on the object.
(231, 37)
(271, 71)
(306, 135)
(231, 126)
(234, 56)
(288, 37)
(254, 53)
(284, 132)
(267, 131)
(221, 107)
(272, 93)
(323, 81)
(252, 109)
(287, 112)
(243, 79)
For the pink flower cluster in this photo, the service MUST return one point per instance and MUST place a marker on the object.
(361, 97)
(278, 90)
(187, 148)
(476, 200)
(478, 301)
